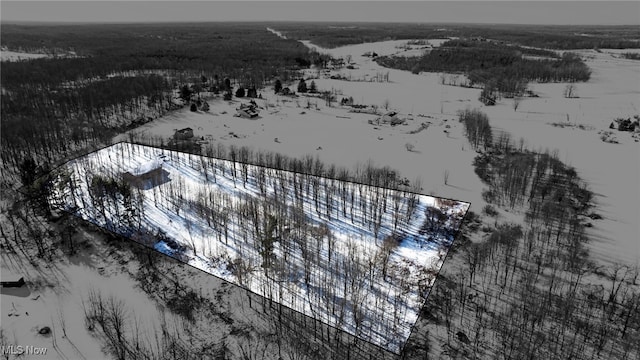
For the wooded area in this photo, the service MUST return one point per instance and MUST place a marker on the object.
(119, 75)
(499, 68)
(332, 35)
(320, 245)
(529, 291)
(510, 290)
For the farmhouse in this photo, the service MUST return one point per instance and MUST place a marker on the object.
(149, 172)
(286, 92)
(391, 118)
(248, 111)
(183, 134)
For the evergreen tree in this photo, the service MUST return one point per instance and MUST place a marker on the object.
(278, 86)
(312, 87)
(302, 86)
(28, 170)
(185, 93)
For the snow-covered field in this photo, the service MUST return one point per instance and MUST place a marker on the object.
(339, 137)
(611, 170)
(333, 266)
(62, 312)
(57, 294)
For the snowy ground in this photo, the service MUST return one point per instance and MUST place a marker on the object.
(54, 298)
(612, 170)
(389, 305)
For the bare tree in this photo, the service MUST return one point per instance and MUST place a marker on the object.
(348, 59)
(516, 103)
(570, 91)
(188, 223)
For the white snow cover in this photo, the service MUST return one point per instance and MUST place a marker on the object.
(612, 171)
(146, 167)
(377, 309)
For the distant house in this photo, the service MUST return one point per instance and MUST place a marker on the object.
(248, 111)
(391, 118)
(183, 134)
(286, 92)
(151, 171)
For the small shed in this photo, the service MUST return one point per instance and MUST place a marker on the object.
(150, 171)
(183, 134)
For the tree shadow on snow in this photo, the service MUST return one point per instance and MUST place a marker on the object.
(22, 291)
(161, 179)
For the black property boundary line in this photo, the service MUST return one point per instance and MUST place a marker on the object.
(401, 351)
(269, 167)
(22, 189)
(455, 237)
(122, 237)
(237, 162)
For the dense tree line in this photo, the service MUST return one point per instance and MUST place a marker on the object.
(477, 128)
(529, 290)
(498, 46)
(631, 56)
(569, 68)
(566, 37)
(48, 125)
(123, 75)
(207, 46)
(494, 66)
(366, 174)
